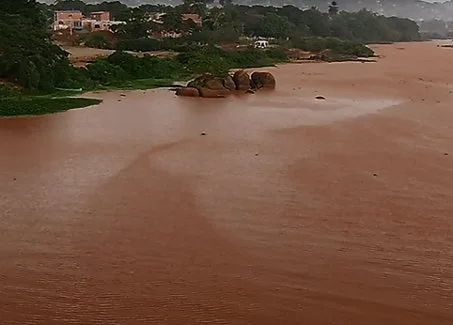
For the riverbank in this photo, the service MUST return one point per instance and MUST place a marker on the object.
(122, 70)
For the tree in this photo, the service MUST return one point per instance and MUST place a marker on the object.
(271, 25)
(216, 19)
(197, 6)
(117, 9)
(225, 3)
(138, 25)
(27, 54)
(70, 5)
(172, 21)
(333, 8)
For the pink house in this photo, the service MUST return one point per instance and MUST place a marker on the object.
(100, 16)
(74, 20)
(67, 19)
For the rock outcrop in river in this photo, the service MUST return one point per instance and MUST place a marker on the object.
(210, 86)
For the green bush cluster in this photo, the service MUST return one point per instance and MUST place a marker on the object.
(121, 66)
(29, 105)
(98, 42)
(337, 46)
(6, 91)
(218, 62)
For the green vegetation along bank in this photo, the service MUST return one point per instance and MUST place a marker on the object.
(29, 59)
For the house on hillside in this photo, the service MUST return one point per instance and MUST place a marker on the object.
(74, 20)
(71, 19)
(196, 18)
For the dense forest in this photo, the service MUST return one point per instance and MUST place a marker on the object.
(413, 9)
(28, 56)
(278, 22)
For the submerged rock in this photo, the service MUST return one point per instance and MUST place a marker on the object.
(211, 86)
(188, 91)
(228, 83)
(215, 84)
(263, 80)
(214, 93)
(242, 80)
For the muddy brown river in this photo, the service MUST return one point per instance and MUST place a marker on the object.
(290, 210)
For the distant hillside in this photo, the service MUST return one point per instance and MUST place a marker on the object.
(414, 9)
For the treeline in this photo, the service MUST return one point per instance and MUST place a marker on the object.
(29, 58)
(287, 25)
(436, 28)
(229, 22)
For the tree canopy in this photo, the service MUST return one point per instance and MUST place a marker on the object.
(27, 55)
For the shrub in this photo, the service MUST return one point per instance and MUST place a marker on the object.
(139, 45)
(41, 105)
(103, 72)
(278, 54)
(337, 46)
(99, 42)
(204, 60)
(6, 91)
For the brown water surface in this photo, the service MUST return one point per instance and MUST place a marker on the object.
(291, 210)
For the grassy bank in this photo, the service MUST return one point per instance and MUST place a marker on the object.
(137, 84)
(122, 70)
(34, 105)
(335, 49)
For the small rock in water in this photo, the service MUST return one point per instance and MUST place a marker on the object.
(256, 154)
(123, 95)
(445, 153)
(203, 133)
(374, 174)
(249, 91)
(320, 97)
(14, 178)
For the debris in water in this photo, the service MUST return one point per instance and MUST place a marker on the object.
(123, 95)
(445, 153)
(320, 97)
(374, 174)
(203, 133)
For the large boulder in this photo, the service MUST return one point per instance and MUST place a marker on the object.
(242, 80)
(214, 84)
(187, 91)
(214, 93)
(208, 81)
(200, 81)
(263, 80)
(228, 83)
